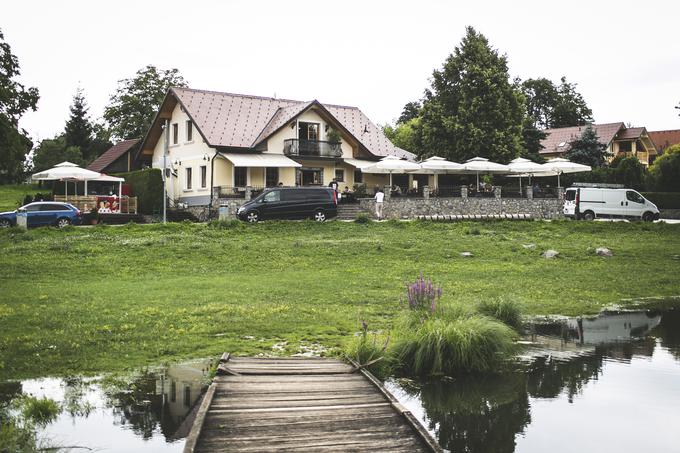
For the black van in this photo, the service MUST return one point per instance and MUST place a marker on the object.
(318, 203)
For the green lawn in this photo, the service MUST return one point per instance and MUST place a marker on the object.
(86, 300)
(12, 195)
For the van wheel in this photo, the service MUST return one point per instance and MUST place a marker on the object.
(648, 216)
(252, 217)
(320, 216)
(4, 223)
(589, 215)
(63, 222)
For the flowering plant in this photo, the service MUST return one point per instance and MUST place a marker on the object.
(423, 294)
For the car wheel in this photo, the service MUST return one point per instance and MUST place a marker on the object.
(647, 216)
(589, 215)
(252, 217)
(320, 216)
(63, 222)
(4, 223)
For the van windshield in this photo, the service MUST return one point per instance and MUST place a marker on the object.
(570, 195)
(634, 196)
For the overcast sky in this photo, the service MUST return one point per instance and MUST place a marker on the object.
(377, 55)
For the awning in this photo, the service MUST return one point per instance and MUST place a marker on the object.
(358, 163)
(260, 160)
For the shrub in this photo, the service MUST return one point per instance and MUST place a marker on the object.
(38, 410)
(362, 218)
(147, 186)
(442, 347)
(665, 171)
(664, 200)
(507, 311)
(360, 191)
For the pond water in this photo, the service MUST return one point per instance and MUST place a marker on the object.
(606, 383)
(148, 411)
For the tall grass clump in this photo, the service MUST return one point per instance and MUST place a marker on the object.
(448, 347)
(40, 411)
(369, 351)
(505, 310)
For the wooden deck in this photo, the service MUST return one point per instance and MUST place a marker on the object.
(301, 404)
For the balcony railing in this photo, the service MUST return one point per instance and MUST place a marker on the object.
(311, 148)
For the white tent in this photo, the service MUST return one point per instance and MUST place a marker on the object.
(390, 165)
(522, 168)
(559, 166)
(479, 165)
(66, 171)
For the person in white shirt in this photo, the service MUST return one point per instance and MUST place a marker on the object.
(379, 198)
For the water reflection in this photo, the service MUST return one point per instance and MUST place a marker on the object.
(149, 410)
(499, 413)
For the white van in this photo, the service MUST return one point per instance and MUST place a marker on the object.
(590, 202)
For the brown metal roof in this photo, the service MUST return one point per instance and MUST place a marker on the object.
(242, 121)
(112, 154)
(664, 139)
(557, 140)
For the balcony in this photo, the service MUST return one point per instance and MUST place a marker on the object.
(311, 148)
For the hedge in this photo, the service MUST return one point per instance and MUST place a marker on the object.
(664, 200)
(147, 186)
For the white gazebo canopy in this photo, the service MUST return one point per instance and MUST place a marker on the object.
(436, 165)
(68, 171)
(479, 165)
(558, 166)
(390, 165)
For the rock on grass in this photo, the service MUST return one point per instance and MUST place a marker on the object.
(603, 251)
(550, 254)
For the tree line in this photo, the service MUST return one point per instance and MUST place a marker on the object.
(473, 108)
(128, 114)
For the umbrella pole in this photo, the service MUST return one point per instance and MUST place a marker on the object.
(520, 186)
(85, 188)
(66, 190)
(390, 180)
(558, 180)
(477, 181)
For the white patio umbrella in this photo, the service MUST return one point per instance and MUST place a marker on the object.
(522, 167)
(390, 165)
(66, 171)
(436, 165)
(479, 165)
(559, 166)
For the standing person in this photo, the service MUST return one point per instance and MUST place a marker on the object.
(334, 185)
(379, 198)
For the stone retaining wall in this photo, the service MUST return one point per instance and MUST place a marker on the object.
(410, 208)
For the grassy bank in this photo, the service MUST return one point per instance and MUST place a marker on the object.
(12, 195)
(111, 298)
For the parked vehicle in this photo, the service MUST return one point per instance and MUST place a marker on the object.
(43, 213)
(588, 203)
(318, 203)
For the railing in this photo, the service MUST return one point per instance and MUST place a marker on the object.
(546, 192)
(446, 192)
(314, 148)
(236, 191)
(102, 203)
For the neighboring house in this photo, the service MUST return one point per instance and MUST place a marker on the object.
(117, 159)
(619, 139)
(665, 139)
(229, 141)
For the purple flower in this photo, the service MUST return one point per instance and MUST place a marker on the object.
(423, 294)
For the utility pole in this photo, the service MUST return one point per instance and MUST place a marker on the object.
(166, 127)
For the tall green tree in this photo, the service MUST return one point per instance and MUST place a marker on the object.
(53, 151)
(411, 111)
(78, 130)
(15, 100)
(665, 171)
(587, 149)
(405, 135)
(571, 109)
(551, 106)
(472, 108)
(136, 100)
(531, 140)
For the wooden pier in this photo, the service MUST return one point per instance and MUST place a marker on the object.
(296, 404)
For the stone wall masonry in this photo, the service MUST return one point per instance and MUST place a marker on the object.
(410, 208)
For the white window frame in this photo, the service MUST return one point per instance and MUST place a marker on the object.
(188, 179)
(203, 175)
(335, 175)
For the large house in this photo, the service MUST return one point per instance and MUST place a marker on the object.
(619, 139)
(227, 142)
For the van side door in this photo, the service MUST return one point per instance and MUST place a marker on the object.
(635, 204)
(271, 205)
